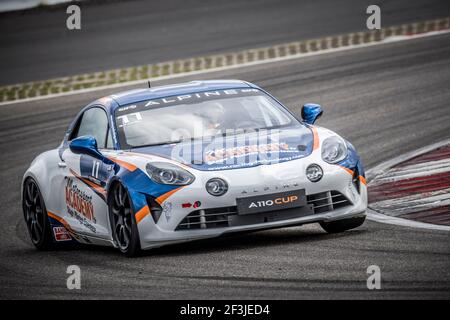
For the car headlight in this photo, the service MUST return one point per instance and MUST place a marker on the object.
(216, 186)
(167, 173)
(334, 149)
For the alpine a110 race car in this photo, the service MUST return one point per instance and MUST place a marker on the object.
(170, 164)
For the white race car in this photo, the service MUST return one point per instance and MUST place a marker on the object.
(151, 167)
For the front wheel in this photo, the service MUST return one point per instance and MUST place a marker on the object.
(123, 224)
(35, 215)
(342, 225)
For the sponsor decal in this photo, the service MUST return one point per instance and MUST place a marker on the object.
(275, 202)
(61, 234)
(272, 188)
(126, 108)
(200, 96)
(183, 99)
(194, 205)
(219, 155)
(79, 205)
(271, 202)
(78, 200)
(239, 148)
(197, 204)
(167, 210)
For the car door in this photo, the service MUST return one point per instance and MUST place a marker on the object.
(86, 177)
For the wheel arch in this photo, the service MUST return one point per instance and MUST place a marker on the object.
(40, 172)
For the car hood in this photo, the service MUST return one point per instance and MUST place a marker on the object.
(239, 151)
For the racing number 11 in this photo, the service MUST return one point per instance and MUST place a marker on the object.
(95, 166)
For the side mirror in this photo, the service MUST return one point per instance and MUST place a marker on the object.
(311, 112)
(85, 145)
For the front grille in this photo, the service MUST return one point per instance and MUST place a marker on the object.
(327, 201)
(207, 218)
(219, 217)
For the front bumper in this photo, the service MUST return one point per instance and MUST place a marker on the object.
(264, 180)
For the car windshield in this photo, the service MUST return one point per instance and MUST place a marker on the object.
(198, 116)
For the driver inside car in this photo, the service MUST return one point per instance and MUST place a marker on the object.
(213, 115)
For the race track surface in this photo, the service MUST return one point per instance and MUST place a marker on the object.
(36, 45)
(386, 99)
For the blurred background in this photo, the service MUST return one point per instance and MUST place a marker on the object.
(36, 45)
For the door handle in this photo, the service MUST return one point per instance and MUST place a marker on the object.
(62, 164)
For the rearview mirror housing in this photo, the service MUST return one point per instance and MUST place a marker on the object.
(311, 112)
(85, 145)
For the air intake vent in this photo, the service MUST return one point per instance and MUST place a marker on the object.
(327, 201)
(355, 180)
(208, 218)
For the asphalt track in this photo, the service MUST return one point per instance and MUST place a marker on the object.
(387, 99)
(36, 45)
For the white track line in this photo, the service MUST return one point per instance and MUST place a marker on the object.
(378, 217)
(413, 203)
(247, 64)
(414, 171)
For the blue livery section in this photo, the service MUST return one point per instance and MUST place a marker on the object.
(352, 160)
(239, 151)
(139, 185)
(94, 168)
(134, 96)
(138, 181)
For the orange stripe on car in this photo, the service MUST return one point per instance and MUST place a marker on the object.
(60, 220)
(142, 213)
(94, 186)
(361, 178)
(315, 138)
(347, 169)
(90, 183)
(126, 165)
(166, 195)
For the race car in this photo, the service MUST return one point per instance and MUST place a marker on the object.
(157, 166)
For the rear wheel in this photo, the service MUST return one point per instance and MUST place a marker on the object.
(35, 215)
(123, 224)
(342, 225)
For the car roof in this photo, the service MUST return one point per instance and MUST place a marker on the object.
(137, 95)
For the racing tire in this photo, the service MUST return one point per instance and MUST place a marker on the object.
(36, 217)
(342, 225)
(123, 223)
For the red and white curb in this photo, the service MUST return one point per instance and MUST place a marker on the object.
(413, 189)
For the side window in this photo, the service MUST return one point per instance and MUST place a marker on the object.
(109, 141)
(94, 123)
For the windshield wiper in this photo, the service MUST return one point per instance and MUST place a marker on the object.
(278, 126)
(158, 144)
